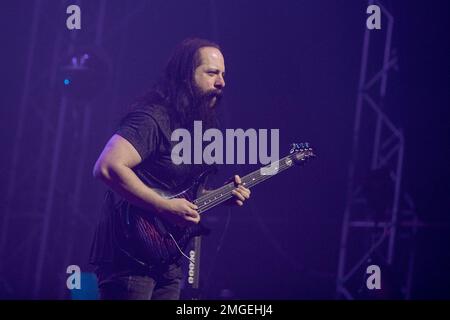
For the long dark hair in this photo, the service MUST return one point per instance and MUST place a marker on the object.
(176, 88)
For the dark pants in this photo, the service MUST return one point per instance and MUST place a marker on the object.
(158, 286)
(139, 288)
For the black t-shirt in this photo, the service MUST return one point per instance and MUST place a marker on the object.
(148, 129)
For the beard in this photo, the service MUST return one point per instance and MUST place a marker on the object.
(205, 105)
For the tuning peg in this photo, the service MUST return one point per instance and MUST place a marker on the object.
(300, 147)
(294, 148)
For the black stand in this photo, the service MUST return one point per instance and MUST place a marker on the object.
(192, 280)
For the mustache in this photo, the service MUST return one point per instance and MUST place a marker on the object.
(214, 93)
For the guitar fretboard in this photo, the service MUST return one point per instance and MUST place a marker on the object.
(222, 194)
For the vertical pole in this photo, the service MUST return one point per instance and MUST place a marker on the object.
(352, 166)
(75, 212)
(19, 132)
(48, 211)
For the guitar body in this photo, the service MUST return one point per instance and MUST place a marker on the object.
(148, 238)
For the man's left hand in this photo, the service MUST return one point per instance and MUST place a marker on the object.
(240, 193)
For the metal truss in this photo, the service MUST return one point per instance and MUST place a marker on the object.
(52, 136)
(369, 235)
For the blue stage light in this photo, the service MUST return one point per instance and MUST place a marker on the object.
(66, 82)
(89, 288)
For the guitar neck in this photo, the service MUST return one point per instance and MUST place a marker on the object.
(222, 194)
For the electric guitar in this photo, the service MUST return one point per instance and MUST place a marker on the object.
(148, 239)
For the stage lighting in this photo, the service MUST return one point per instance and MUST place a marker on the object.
(84, 74)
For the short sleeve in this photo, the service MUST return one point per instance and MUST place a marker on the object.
(141, 130)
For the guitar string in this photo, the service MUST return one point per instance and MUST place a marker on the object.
(218, 191)
(259, 178)
(226, 196)
(225, 193)
(304, 154)
(250, 183)
(231, 185)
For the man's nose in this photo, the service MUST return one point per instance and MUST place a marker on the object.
(220, 83)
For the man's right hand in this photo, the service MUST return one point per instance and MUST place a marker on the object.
(180, 212)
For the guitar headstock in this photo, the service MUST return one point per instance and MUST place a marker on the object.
(301, 152)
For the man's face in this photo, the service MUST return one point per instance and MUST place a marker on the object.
(209, 75)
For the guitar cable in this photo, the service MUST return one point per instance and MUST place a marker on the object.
(179, 249)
